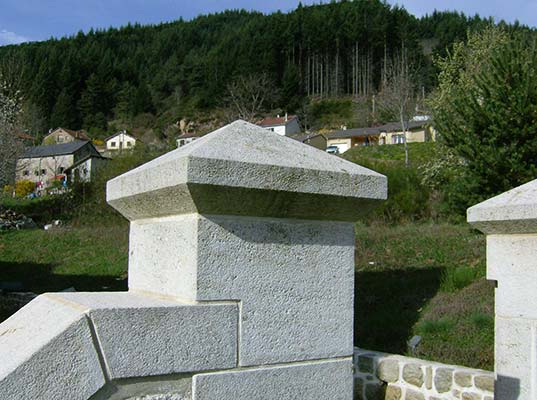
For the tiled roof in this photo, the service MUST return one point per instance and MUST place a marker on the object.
(360, 132)
(274, 121)
(303, 138)
(54, 149)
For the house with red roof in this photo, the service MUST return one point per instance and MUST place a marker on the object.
(284, 126)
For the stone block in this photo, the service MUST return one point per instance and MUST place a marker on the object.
(366, 363)
(143, 336)
(511, 212)
(512, 261)
(388, 370)
(413, 374)
(375, 391)
(514, 345)
(470, 396)
(411, 394)
(393, 392)
(463, 378)
(47, 352)
(358, 389)
(294, 278)
(484, 382)
(429, 377)
(322, 380)
(443, 379)
(241, 170)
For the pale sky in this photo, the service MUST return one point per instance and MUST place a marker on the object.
(29, 20)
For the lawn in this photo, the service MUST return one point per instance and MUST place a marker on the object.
(428, 280)
(87, 259)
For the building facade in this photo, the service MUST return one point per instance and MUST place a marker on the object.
(283, 126)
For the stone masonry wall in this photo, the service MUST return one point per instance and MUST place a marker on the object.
(380, 376)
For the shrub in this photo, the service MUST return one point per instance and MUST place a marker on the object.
(24, 188)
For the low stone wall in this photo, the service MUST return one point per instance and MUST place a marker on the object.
(381, 376)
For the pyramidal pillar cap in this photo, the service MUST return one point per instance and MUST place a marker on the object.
(512, 212)
(243, 169)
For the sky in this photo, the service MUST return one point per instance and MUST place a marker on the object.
(33, 20)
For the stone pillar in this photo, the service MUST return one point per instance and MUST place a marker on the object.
(241, 270)
(243, 215)
(510, 223)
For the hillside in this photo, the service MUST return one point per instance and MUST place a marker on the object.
(152, 76)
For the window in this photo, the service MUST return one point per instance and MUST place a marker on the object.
(26, 173)
(36, 172)
(182, 142)
(62, 170)
(398, 139)
(112, 144)
(43, 172)
(129, 144)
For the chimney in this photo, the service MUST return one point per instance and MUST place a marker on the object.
(286, 117)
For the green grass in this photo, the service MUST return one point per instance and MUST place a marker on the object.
(394, 154)
(88, 259)
(424, 279)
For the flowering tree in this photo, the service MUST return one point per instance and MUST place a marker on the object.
(10, 145)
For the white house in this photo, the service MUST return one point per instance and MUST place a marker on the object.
(284, 126)
(120, 141)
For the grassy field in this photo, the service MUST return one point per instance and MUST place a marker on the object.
(424, 279)
(88, 259)
(428, 280)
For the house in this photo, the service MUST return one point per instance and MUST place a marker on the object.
(186, 138)
(85, 168)
(391, 133)
(45, 164)
(317, 140)
(120, 141)
(63, 135)
(284, 126)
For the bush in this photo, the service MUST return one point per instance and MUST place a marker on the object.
(408, 197)
(24, 188)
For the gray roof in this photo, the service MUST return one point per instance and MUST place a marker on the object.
(303, 138)
(377, 130)
(54, 149)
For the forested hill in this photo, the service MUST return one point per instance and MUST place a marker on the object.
(171, 69)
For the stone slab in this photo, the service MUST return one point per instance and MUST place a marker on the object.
(143, 336)
(47, 352)
(515, 358)
(323, 380)
(512, 261)
(294, 279)
(242, 169)
(514, 211)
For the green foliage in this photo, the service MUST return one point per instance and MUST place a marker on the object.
(331, 113)
(457, 278)
(119, 73)
(408, 196)
(486, 112)
(24, 187)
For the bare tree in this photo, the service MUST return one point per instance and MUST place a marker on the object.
(397, 97)
(249, 95)
(10, 145)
